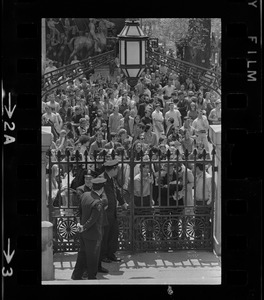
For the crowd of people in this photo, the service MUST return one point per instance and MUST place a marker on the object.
(161, 112)
(96, 116)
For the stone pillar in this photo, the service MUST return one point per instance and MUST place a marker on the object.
(47, 267)
(46, 142)
(47, 227)
(215, 135)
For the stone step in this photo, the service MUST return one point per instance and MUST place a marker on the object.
(178, 267)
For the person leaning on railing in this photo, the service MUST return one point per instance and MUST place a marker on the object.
(142, 186)
(168, 184)
(203, 191)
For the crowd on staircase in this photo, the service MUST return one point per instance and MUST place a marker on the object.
(163, 111)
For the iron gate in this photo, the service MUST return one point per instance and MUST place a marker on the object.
(157, 227)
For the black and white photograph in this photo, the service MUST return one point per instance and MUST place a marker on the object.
(131, 151)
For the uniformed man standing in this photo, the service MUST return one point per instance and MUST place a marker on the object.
(87, 186)
(110, 238)
(93, 219)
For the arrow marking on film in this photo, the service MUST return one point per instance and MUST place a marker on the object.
(8, 256)
(9, 111)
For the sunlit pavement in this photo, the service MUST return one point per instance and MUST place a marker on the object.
(179, 267)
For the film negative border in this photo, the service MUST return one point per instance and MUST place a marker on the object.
(241, 183)
(241, 207)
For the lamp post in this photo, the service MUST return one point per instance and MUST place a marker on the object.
(132, 50)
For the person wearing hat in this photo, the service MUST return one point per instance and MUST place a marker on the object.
(87, 186)
(91, 227)
(110, 238)
(215, 114)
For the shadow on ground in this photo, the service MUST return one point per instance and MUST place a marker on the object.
(177, 259)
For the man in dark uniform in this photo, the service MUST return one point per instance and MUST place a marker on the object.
(87, 186)
(110, 238)
(93, 219)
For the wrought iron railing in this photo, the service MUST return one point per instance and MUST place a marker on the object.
(58, 77)
(205, 77)
(162, 226)
(54, 79)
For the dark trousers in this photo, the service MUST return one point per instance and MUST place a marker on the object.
(110, 238)
(88, 258)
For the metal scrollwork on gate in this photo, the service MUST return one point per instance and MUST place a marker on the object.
(195, 227)
(66, 236)
(172, 228)
(67, 228)
(150, 229)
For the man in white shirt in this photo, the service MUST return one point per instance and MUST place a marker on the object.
(112, 99)
(53, 104)
(201, 126)
(175, 114)
(158, 119)
(215, 113)
(169, 88)
(203, 192)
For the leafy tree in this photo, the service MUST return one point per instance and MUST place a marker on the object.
(190, 36)
(198, 42)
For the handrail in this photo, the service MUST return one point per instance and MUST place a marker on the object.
(56, 78)
(208, 78)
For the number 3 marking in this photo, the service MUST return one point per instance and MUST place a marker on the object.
(7, 273)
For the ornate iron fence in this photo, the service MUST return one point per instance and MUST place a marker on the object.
(58, 77)
(54, 79)
(160, 226)
(208, 78)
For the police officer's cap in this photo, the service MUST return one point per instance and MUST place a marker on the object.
(98, 180)
(89, 175)
(111, 163)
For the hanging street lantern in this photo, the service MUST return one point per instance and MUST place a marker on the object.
(132, 50)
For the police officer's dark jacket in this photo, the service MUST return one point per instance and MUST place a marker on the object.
(92, 216)
(82, 189)
(113, 194)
